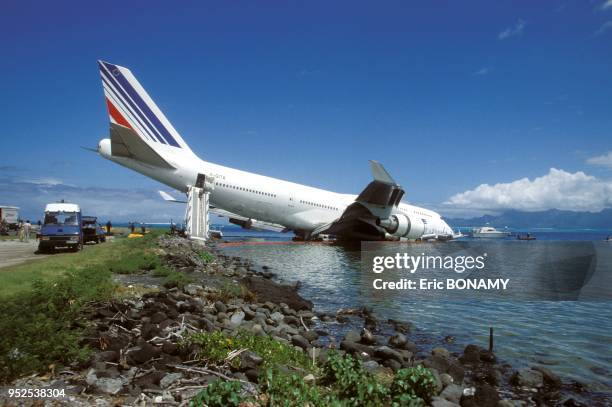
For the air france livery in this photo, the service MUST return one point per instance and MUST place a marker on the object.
(144, 140)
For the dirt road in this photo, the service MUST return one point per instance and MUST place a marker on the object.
(15, 252)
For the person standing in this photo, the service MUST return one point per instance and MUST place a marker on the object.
(20, 230)
(109, 225)
(27, 226)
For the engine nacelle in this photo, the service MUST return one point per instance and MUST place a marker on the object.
(400, 225)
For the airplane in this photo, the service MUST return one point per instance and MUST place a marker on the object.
(144, 140)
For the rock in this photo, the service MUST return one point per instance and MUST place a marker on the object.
(169, 379)
(145, 353)
(550, 379)
(277, 317)
(170, 348)
(91, 377)
(385, 352)
(367, 337)
(352, 336)
(108, 385)
(310, 335)
(398, 340)
(355, 348)
(258, 330)
(527, 378)
(440, 402)
(392, 364)
(220, 307)
(485, 396)
(158, 317)
(300, 341)
(309, 379)
(370, 365)
(452, 393)
(471, 354)
(267, 289)
(108, 356)
(236, 319)
(440, 352)
(446, 379)
(193, 289)
(250, 360)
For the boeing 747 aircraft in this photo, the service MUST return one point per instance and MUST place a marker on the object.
(142, 139)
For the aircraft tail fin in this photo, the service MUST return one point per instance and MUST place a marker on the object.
(129, 105)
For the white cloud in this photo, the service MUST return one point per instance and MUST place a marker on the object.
(117, 204)
(604, 27)
(604, 160)
(606, 5)
(482, 71)
(513, 31)
(558, 189)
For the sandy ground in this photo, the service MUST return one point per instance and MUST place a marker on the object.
(15, 252)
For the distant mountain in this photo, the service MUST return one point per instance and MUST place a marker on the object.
(552, 218)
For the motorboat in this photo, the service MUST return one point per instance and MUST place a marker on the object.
(489, 232)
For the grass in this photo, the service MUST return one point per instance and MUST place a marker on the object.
(44, 303)
(126, 255)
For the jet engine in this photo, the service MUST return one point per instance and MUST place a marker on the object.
(400, 225)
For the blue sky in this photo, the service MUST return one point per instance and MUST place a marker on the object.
(450, 96)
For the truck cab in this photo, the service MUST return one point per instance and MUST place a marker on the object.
(62, 227)
(92, 231)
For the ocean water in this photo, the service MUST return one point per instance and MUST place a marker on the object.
(573, 338)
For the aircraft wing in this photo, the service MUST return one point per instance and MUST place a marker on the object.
(248, 223)
(376, 201)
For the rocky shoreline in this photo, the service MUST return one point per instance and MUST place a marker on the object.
(140, 356)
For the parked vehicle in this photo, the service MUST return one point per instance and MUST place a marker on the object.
(10, 216)
(92, 230)
(62, 227)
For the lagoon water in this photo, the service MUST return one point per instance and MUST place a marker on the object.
(573, 338)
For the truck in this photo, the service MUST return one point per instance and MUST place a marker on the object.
(62, 227)
(92, 231)
(9, 215)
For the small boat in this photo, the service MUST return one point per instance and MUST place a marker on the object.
(489, 232)
(528, 236)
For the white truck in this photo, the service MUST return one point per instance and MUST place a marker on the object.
(10, 216)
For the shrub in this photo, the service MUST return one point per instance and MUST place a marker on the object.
(134, 263)
(207, 257)
(351, 383)
(216, 346)
(413, 383)
(219, 393)
(45, 326)
(291, 390)
(176, 279)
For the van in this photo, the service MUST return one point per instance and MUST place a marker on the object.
(62, 227)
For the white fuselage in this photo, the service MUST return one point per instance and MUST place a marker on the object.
(295, 206)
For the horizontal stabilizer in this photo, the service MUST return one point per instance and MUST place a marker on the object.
(126, 143)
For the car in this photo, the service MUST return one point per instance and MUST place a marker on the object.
(92, 230)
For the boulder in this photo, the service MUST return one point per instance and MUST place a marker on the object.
(169, 379)
(484, 396)
(527, 378)
(236, 319)
(367, 337)
(398, 340)
(452, 393)
(108, 385)
(385, 352)
(220, 307)
(352, 336)
(551, 380)
(299, 340)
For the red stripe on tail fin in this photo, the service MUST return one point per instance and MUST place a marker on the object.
(114, 113)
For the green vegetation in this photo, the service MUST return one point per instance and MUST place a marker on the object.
(44, 303)
(176, 279)
(342, 381)
(45, 325)
(207, 257)
(18, 279)
(215, 347)
(219, 393)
